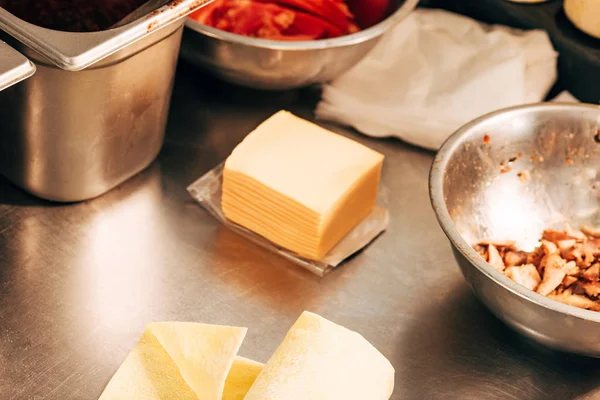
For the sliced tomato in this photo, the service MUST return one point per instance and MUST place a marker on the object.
(343, 7)
(205, 14)
(245, 20)
(369, 12)
(306, 24)
(326, 9)
(277, 19)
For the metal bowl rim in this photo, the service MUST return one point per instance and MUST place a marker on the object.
(343, 41)
(436, 192)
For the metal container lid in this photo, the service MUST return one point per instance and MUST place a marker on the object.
(14, 67)
(76, 51)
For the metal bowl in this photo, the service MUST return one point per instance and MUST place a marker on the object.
(510, 175)
(278, 65)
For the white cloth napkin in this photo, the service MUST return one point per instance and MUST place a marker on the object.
(435, 72)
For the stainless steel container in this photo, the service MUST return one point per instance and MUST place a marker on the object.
(94, 114)
(556, 147)
(14, 67)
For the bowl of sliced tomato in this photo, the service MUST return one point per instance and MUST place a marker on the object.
(286, 44)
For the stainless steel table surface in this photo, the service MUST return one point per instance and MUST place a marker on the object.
(79, 282)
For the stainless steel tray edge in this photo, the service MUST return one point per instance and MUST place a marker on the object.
(14, 67)
(74, 51)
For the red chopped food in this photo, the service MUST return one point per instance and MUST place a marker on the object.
(334, 12)
(564, 267)
(369, 12)
(279, 19)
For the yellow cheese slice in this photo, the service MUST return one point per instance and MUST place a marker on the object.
(284, 150)
(241, 376)
(177, 360)
(585, 15)
(319, 360)
(300, 185)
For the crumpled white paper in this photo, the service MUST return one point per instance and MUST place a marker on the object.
(436, 71)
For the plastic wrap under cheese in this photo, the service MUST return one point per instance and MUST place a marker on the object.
(300, 185)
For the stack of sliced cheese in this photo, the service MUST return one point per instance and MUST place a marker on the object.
(317, 360)
(299, 185)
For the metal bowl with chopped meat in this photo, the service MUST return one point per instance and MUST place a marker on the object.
(511, 190)
(285, 64)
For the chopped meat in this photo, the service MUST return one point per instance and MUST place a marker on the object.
(575, 233)
(592, 246)
(549, 247)
(592, 289)
(513, 258)
(568, 281)
(571, 268)
(587, 259)
(592, 274)
(564, 267)
(577, 288)
(574, 253)
(590, 231)
(567, 244)
(536, 256)
(553, 274)
(567, 292)
(494, 258)
(526, 275)
(577, 301)
(552, 260)
(552, 235)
